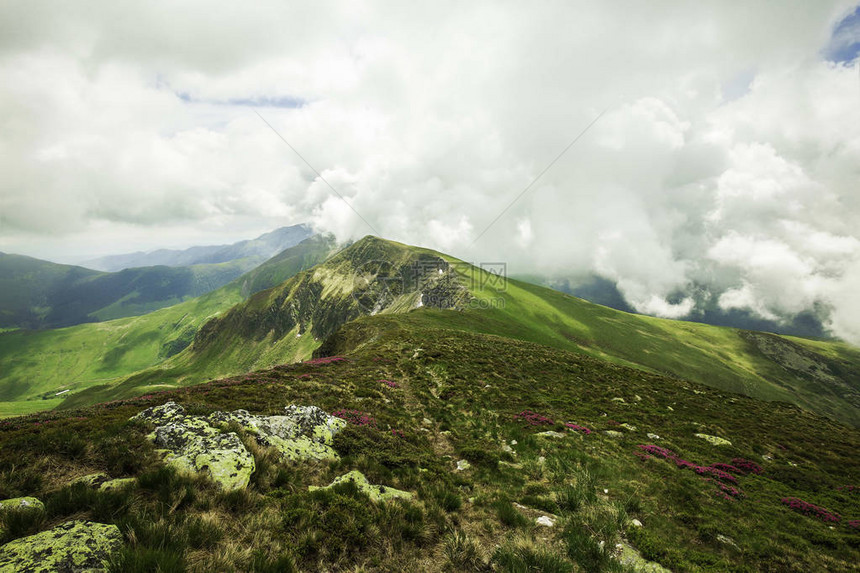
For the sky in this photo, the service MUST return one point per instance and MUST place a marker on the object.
(722, 168)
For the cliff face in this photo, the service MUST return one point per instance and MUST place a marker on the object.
(370, 277)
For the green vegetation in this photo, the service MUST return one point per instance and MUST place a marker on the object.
(457, 393)
(37, 365)
(177, 346)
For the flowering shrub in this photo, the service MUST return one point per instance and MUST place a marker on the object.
(355, 417)
(390, 383)
(727, 468)
(398, 433)
(658, 451)
(747, 466)
(718, 474)
(577, 428)
(854, 524)
(532, 418)
(809, 509)
(849, 488)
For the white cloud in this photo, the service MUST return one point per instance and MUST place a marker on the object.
(727, 159)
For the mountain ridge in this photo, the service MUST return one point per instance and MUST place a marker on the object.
(291, 321)
(263, 247)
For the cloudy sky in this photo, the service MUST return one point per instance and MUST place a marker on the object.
(724, 169)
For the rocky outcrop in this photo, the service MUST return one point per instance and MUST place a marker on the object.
(204, 444)
(75, 546)
(374, 492)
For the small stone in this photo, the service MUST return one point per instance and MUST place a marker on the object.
(21, 503)
(619, 400)
(545, 521)
(427, 422)
(550, 434)
(636, 523)
(606, 491)
(637, 397)
(670, 408)
(653, 436)
(630, 427)
(463, 465)
(507, 449)
(513, 442)
(613, 434)
(541, 460)
(724, 539)
(714, 440)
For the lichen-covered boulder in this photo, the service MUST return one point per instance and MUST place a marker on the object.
(714, 440)
(374, 492)
(91, 480)
(550, 434)
(73, 547)
(160, 415)
(117, 484)
(197, 447)
(21, 503)
(204, 444)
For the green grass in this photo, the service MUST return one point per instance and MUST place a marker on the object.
(8, 409)
(457, 394)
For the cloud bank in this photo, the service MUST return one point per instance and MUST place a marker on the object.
(723, 173)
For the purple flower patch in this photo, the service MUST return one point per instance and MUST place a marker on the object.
(811, 510)
(390, 383)
(577, 428)
(355, 417)
(747, 466)
(854, 524)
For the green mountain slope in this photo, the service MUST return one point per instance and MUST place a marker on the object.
(457, 419)
(377, 277)
(37, 365)
(39, 294)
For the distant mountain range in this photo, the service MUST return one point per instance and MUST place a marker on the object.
(37, 294)
(263, 247)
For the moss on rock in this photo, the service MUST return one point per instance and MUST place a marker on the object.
(75, 546)
(21, 503)
(374, 492)
(196, 444)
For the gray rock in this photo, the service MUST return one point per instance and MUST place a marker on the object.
(613, 434)
(198, 444)
(73, 547)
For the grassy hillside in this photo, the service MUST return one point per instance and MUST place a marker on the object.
(36, 366)
(432, 397)
(286, 323)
